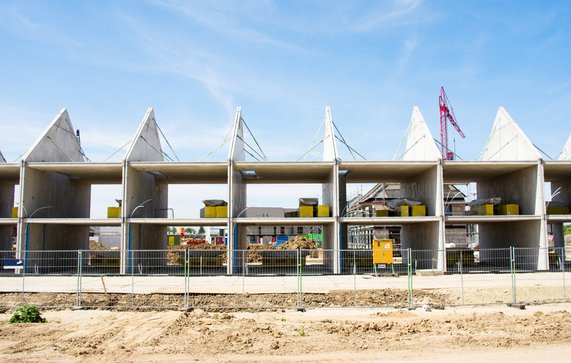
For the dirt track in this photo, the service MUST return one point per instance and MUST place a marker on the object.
(319, 334)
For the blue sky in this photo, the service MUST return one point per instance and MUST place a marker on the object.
(283, 62)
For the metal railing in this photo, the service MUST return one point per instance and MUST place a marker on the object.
(173, 279)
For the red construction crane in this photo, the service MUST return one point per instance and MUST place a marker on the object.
(446, 114)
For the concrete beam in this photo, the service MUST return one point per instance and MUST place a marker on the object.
(286, 172)
(92, 173)
(186, 172)
(385, 171)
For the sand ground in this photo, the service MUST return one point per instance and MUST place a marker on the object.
(459, 334)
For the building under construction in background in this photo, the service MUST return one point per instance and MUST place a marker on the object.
(378, 199)
(508, 206)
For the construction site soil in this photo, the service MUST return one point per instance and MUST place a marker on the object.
(465, 334)
(230, 302)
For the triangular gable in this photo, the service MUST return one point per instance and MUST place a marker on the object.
(2, 158)
(237, 152)
(329, 142)
(57, 143)
(507, 142)
(419, 144)
(146, 145)
(566, 152)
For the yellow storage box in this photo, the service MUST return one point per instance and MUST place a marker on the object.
(382, 212)
(323, 211)
(509, 209)
(306, 211)
(208, 212)
(484, 209)
(14, 212)
(113, 212)
(418, 210)
(222, 211)
(554, 210)
(404, 211)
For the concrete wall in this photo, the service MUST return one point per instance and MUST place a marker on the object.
(6, 204)
(420, 236)
(66, 198)
(142, 186)
(424, 187)
(516, 187)
(506, 234)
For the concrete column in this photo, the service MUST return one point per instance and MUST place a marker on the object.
(331, 236)
(543, 255)
(237, 197)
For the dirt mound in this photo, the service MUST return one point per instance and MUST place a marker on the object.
(298, 242)
(96, 246)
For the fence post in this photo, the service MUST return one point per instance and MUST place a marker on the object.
(299, 282)
(460, 266)
(78, 289)
(409, 272)
(186, 270)
(512, 269)
(562, 264)
(25, 267)
(132, 279)
(354, 272)
(244, 277)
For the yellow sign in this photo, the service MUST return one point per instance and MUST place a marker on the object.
(382, 251)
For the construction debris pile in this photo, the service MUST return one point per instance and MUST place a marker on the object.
(298, 242)
(255, 251)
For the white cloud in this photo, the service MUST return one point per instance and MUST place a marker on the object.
(391, 14)
(231, 18)
(38, 29)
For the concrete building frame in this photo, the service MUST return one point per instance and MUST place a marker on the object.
(55, 182)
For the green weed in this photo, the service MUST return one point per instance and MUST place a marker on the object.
(27, 314)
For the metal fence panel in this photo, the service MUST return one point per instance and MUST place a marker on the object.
(172, 279)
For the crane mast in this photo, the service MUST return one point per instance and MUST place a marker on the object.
(447, 114)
